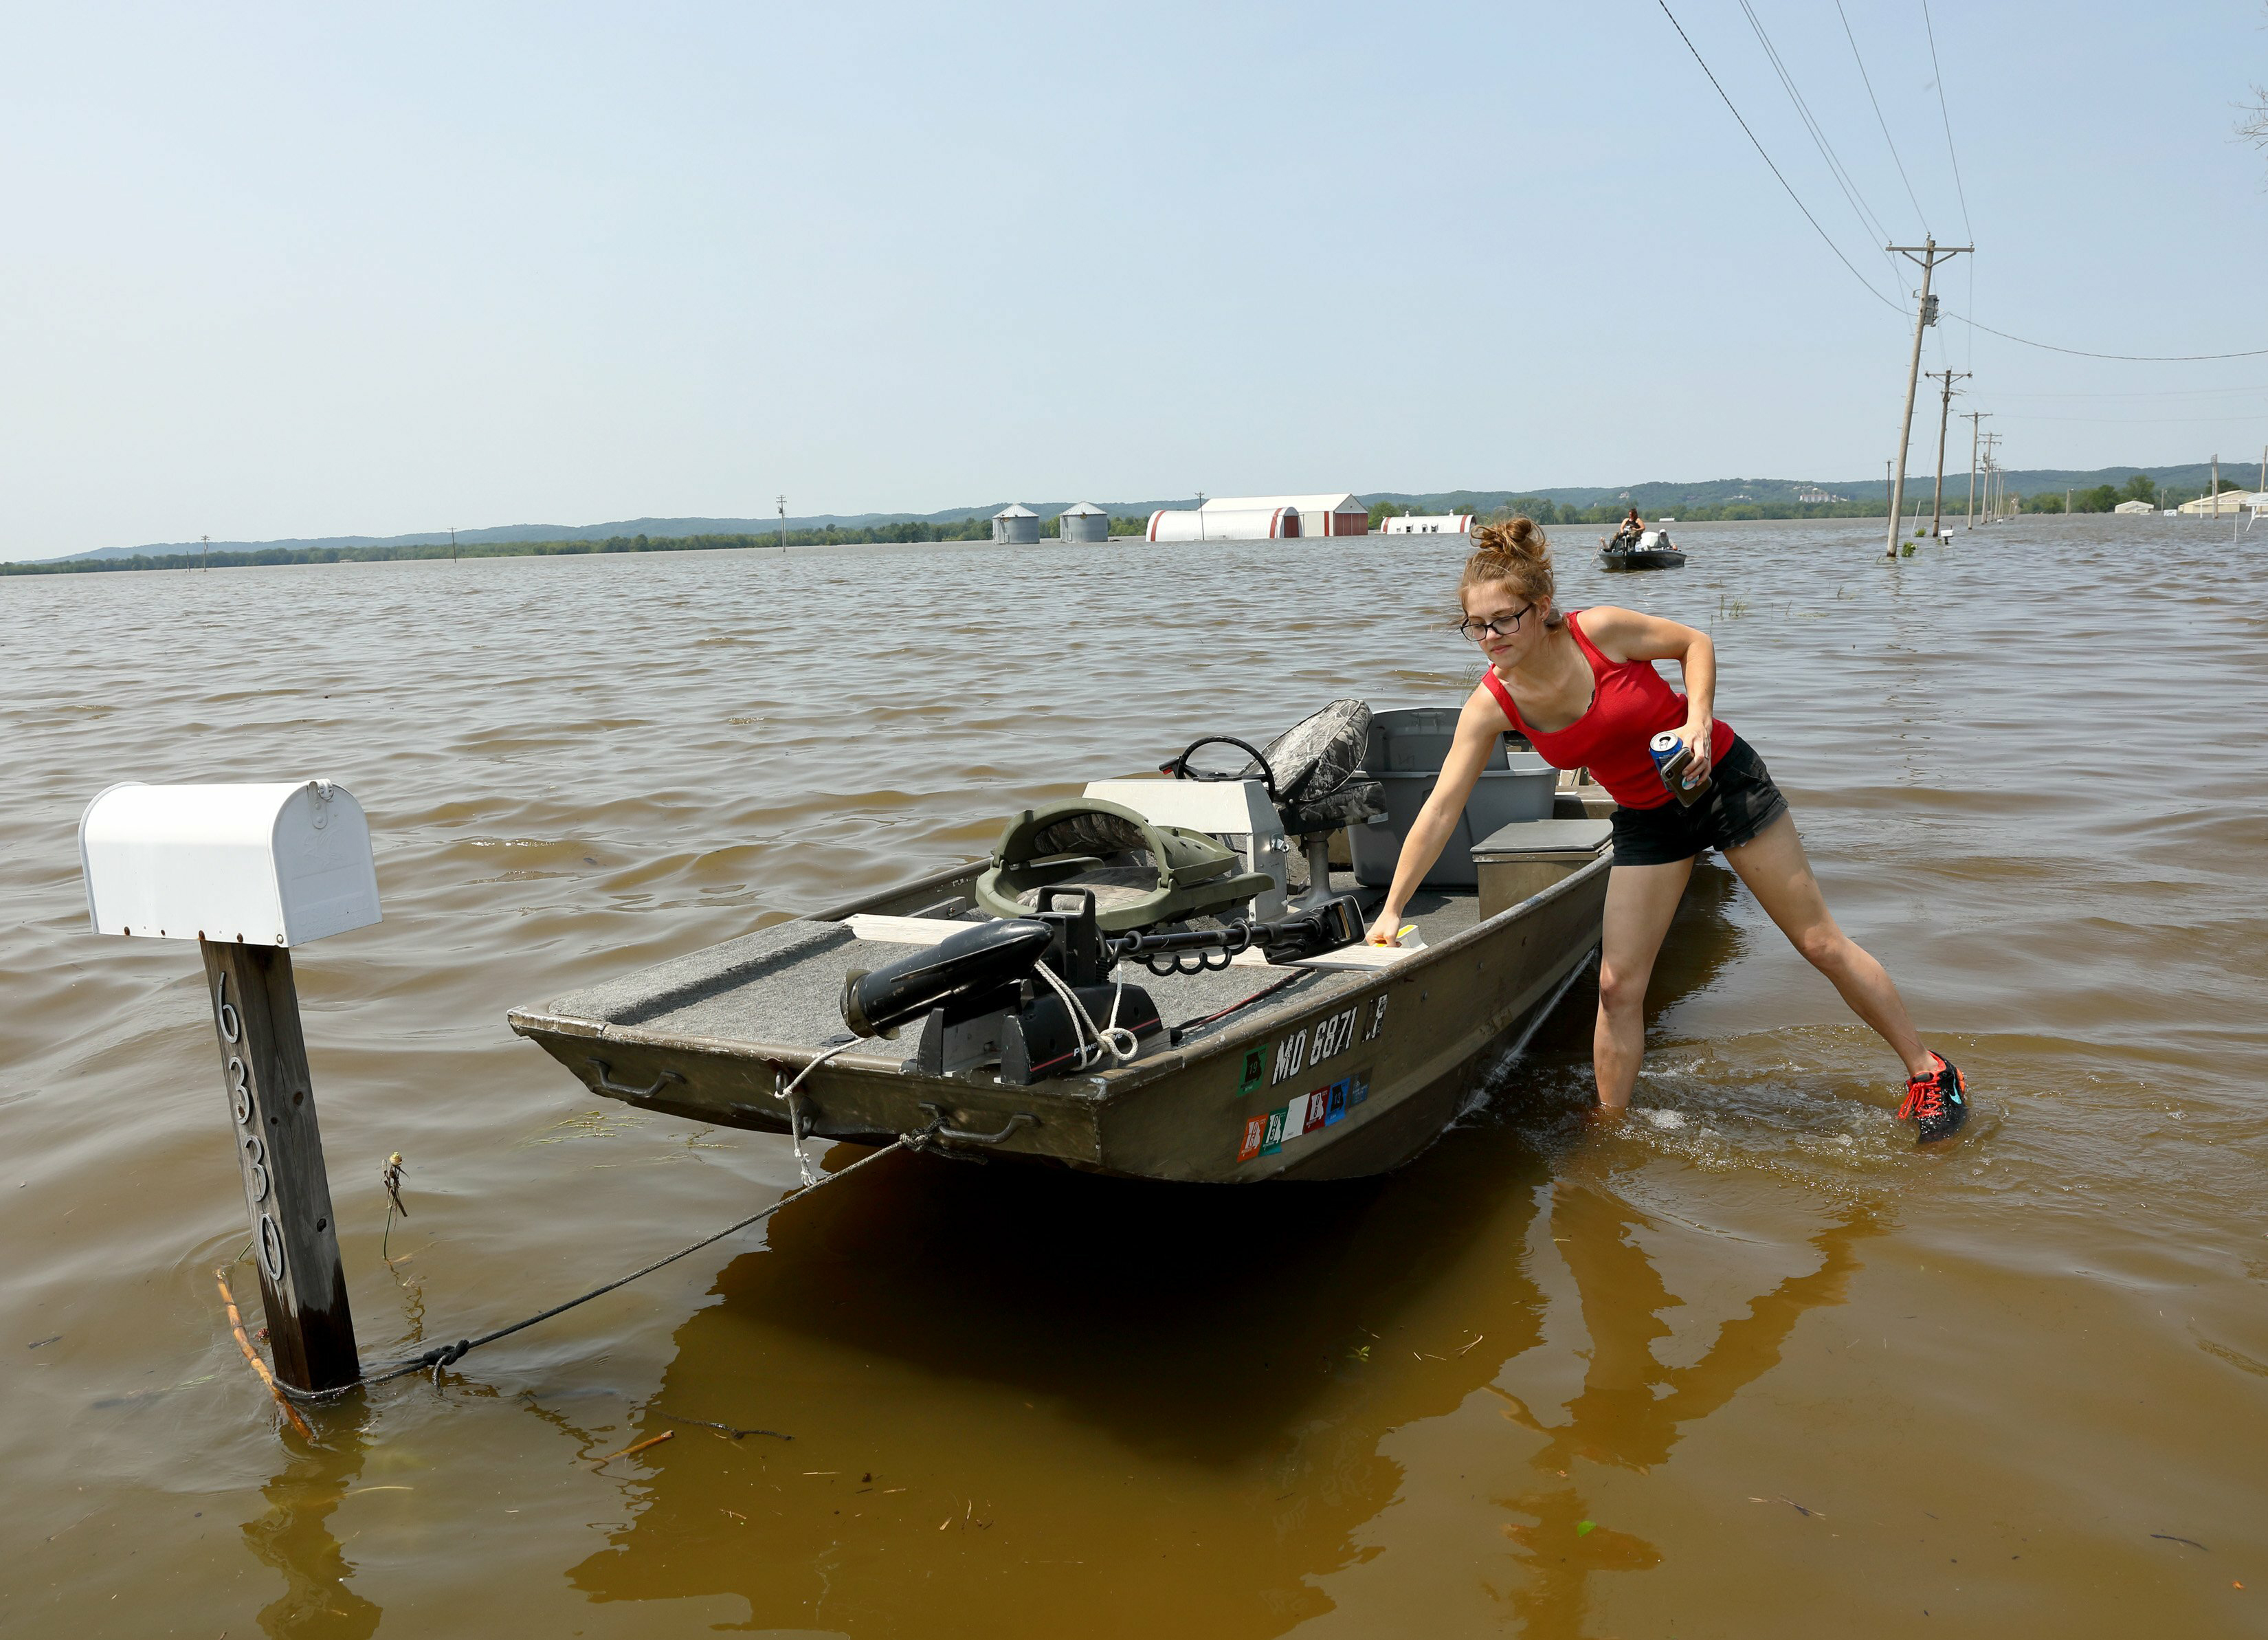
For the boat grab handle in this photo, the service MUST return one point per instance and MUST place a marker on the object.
(956, 1134)
(607, 1084)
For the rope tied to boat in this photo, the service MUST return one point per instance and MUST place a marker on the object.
(443, 1356)
(1099, 1038)
(794, 1116)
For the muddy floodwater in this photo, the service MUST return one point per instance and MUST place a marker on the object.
(1744, 1363)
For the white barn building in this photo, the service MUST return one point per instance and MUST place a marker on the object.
(1225, 524)
(1319, 515)
(1429, 524)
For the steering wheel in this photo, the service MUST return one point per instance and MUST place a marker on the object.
(1179, 769)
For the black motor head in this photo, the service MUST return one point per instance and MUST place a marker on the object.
(984, 957)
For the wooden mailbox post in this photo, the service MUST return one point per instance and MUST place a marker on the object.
(248, 872)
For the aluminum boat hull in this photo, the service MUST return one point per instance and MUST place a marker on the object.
(1398, 1054)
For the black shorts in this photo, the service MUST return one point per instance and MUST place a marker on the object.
(1739, 803)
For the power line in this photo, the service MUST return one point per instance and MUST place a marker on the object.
(2253, 419)
(2149, 392)
(2130, 358)
(1869, 220)
(1885, 124)
(1767, 159)
(1960, 192)
(1944, 114)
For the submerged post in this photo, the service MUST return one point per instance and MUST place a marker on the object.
(279, 1148)
(248, 872)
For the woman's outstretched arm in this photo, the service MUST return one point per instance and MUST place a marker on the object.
(1479, 727)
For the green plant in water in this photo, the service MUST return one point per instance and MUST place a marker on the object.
(1906, 551)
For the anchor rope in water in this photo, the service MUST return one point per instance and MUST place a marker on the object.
(448, 1355)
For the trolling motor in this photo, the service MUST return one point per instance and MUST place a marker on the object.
(1033, 994)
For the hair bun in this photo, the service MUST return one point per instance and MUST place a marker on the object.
(1516, 552)
(1518, 538)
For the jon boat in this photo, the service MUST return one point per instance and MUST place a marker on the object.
(1300, 1056)
(1652, 550)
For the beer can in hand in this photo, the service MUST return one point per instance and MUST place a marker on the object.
(1670, 758)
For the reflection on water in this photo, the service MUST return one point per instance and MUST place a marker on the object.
(2010, 1378)
(1225, 1364)
(293, 1536)
(1219, 1364)
(1633, 1407)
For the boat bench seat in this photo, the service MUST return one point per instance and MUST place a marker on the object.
(1526, 858)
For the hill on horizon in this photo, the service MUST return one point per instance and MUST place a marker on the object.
(1651, 496)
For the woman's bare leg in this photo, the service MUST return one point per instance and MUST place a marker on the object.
(1773, 867)
(1640, 901)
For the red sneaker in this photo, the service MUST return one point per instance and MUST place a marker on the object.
(1938, 1103)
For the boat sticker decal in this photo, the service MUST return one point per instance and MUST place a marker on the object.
(1334, 1036)
(1337, 1112)
(1358, 1087)
(1290, 1057)
(1377, 1019)
(1271, 1137)
(1255, 1132)
(1255, 1062)
(1306, 1115)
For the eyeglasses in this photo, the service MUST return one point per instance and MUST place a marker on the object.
(1499, 626)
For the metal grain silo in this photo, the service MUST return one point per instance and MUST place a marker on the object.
(1085, 522)
(1015, 525)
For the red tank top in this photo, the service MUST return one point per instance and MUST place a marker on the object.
(1630, 703)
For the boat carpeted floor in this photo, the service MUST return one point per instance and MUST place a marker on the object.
(782, 985)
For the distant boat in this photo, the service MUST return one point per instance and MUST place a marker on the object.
(1652, 551)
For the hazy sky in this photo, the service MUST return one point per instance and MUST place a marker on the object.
(315, 270)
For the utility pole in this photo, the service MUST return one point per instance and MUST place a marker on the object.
(204, 561)
(1944, 414)
(2216, 484)
(782, 516)
(452, 543)
(1977, 419)
(1928, 253)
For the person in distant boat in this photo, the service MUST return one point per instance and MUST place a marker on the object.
(1581, 686)
(1633, 527)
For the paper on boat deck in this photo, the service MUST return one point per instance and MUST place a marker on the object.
(1365, 958)
(905, 930)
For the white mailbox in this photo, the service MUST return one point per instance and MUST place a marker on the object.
(271, 864)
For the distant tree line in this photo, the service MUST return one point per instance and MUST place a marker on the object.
(832, 535)
(973, 529)
(1547, 512)
(2101, 498)
(2106, 497)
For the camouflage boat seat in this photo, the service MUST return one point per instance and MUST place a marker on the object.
(1141, 873)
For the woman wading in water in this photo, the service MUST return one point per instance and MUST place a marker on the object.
(1581, 686)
